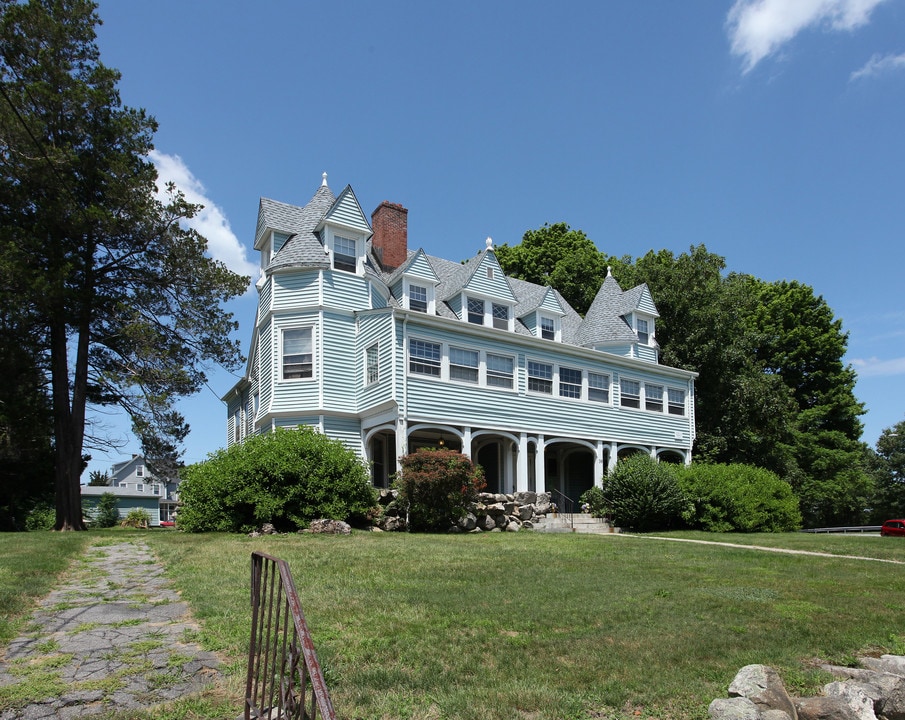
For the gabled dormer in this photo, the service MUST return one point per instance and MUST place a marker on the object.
(545, 320)
(483, 295)
(415, 284)
(344, 232)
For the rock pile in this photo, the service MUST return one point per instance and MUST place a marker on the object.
(492, 512)
(875, 691)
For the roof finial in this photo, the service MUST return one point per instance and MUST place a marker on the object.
(489, 242)
(609, 271)
(324, 181)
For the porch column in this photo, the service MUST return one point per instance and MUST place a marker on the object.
(614, 456)
(688, 458)
(598, 465)
(402, 442)
(653, 453)
(521, 464)
(540, 480)
(511, 481)
(466, 441)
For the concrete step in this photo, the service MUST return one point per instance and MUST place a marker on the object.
(581, 523)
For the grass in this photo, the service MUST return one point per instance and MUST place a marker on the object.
(541, 626)
(552, 626)
(30, 564)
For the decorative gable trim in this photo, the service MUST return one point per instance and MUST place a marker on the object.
(346, 213)
(488, 279)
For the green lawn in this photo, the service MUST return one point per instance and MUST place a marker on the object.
(540, 626)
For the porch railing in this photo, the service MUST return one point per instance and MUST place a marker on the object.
(284, 681)
(568, 506)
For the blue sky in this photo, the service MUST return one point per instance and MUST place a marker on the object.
(771, 131)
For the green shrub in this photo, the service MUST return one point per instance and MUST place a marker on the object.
(596, 502)
(105, 514)
(738, 498)
(436, 486)
(287, 478)
(137, 518)
(643, 494)
(43, 516)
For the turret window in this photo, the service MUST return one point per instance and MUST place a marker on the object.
(298, 356)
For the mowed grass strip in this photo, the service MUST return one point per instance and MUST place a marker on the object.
(30, 564)
(551, 626)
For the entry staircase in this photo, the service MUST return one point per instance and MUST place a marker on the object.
(574, 522)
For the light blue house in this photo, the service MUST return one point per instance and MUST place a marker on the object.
(135, 487)
(389, 349)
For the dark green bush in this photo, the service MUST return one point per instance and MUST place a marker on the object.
(436, 486)
(738, 498)
(643, 494)
(287, 478)
(105, 513)
(43, 516)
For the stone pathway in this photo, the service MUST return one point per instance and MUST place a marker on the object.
(115, 636)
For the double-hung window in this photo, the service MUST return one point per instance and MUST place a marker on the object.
(425, 358)
(569, 382)
(630, 395)
(642, 330)
(540, 377)
(418, 298)
(372, 370)
(598, 387)
(499, 371)
(476, 311)
(298, 355)
(139, 471)
(653, 397)
(501, 316)
(676, 399)
(345, 254)
(463, 365)
(547, 328)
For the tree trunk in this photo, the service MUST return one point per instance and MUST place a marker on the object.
(68, 424)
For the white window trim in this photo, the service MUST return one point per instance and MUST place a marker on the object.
(444, 375)
(557, 325)
(489, 302)
(642, 390)
(368, 381)
(651, 328)
(431, 295)
(331, 235)
(282, 330)
(553, 380)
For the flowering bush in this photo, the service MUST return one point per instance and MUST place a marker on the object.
(436, 487)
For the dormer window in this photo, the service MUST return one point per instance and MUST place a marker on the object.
(475, 311)
(418, 298)
(500, 316)
(548, 327)
(345, 254)
(643, 333)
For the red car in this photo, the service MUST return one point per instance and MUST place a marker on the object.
(893, 527)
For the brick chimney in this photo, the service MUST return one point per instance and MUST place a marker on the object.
(390, 240)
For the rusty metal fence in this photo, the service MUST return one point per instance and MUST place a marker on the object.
(285, 681)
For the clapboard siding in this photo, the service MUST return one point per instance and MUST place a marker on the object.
(375, 328)
(345, 290)
(339, 353)
(296, 289)
(345, 429)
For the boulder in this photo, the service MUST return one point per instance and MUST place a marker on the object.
(763, 686)
(735, 708)
(486, 523)
(854, 696)
(525, 512)
(330, 527)
(824, 708)
(525, 497)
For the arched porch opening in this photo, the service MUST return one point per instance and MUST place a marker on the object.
(381, 453)
(674, 457)
(569, 467)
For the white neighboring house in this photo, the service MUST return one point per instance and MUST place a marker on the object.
(134, 487)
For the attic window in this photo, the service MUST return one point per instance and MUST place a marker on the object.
(418, 298)
(501, 316)
(643, 333)
(476, 311)
(490, 273)
(344, 254)
(547, 328)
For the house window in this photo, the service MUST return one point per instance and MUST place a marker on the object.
(140, 487)
(569, 382)
(155, 489)
(642, 330)
(631, 393)
(463, 365)
(490, 273)
(540, 377)
(476, 311)
(297, 354)
(499, 371)
(547, 328)
(598, 387)
(418, 298)
(501, 316)
(676, 399)
(372, 374)
(653, 398)
(424, 358)
(344, 254)
(139, 471)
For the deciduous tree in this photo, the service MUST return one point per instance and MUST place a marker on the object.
(125, 302)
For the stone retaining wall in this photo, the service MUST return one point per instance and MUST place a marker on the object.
(493, 512)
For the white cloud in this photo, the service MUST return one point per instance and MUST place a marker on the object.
(758, 28)
(876, 367)
(879, 64)
(211, 222)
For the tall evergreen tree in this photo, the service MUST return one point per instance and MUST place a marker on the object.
(124, 299)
